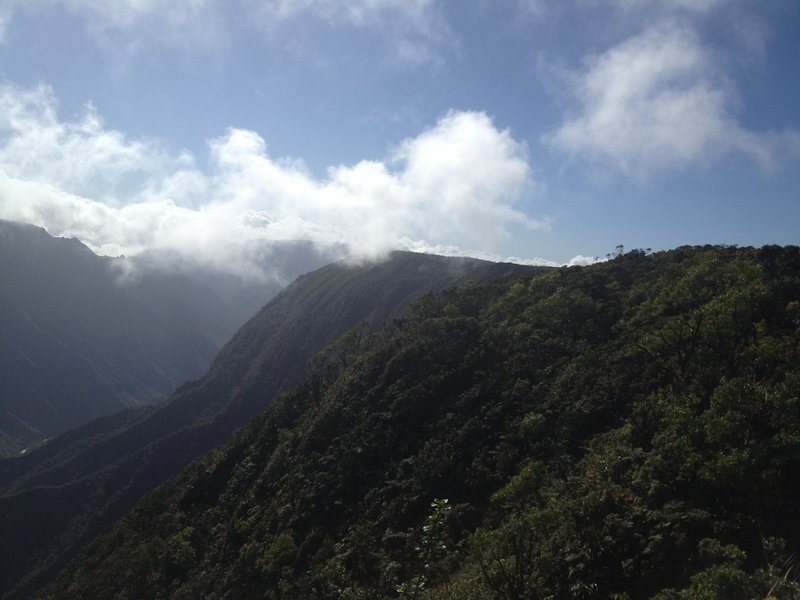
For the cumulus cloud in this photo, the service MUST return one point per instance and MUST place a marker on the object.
(458, 183)
(657, 102)
(81, 157)
(580, 260)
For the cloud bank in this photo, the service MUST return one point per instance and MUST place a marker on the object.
(458, 183)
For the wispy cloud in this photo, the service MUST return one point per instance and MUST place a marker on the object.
(658, 101)
(134, 24)
(361, 13)
(457, 183)
(82, 156)
(662, 6)
(578, 260)
(648, 9)
(413, 31)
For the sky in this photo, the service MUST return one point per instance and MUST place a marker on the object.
(541, 131)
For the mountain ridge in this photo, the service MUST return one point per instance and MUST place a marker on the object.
(103, 472)
(85, 335)
(626, 430)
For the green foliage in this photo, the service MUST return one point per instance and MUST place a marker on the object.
(95, 474)
(626, 430)
(431, 549)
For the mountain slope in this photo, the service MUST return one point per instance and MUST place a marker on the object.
(96, 473)
(83, 336)
(74, 344)
(626, 430)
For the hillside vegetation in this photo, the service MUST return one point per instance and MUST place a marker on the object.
(57, 498)
(625, 430)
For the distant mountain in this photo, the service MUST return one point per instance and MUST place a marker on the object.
(219, 302)
(96, 473)
(78, 341)
(625, 430)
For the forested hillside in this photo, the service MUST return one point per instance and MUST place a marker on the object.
(58, 497)
(625, 430)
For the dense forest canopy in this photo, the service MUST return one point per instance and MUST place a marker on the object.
(625, 430)
(96, 473)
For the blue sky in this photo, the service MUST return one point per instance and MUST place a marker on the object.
(544, 130)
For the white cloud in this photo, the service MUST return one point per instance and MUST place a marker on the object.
(355, 12)
(81, 157)
(580, 260)
(458, 180)
(657, 102)
(458, 183)
(447, 250)
(693, 6)
(125, 14)
(413, 30)
(5, 18)
(652, 9)
(133, 24)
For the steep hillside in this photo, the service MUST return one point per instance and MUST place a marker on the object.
(96, 473)
(219, 302)
(83, 336)
(626, 430)
(74, 344)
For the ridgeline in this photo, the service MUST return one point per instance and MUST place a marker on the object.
(625, 430)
